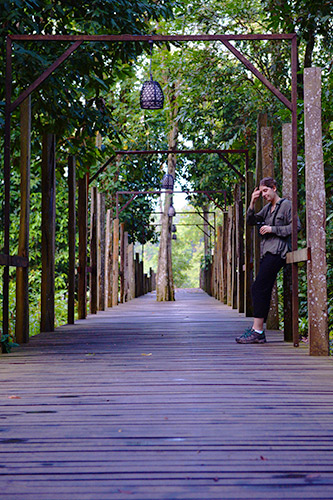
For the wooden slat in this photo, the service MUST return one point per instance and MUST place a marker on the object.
(150, 401)
(301, 255)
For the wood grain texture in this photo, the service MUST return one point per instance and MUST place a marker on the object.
(155, 401)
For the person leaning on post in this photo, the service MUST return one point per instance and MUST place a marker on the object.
(274, 225)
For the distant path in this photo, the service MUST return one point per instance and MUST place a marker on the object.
(152, 401)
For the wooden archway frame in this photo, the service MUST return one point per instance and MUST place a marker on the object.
(77, 40)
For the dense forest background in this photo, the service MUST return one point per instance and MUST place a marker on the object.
(211, 100)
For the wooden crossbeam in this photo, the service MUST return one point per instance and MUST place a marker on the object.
(301, 255)
(13, 261)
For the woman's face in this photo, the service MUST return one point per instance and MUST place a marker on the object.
(268, 193)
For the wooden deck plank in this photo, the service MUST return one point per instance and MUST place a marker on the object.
(157, 401)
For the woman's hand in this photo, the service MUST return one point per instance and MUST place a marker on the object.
(255, 195)
(265, 229)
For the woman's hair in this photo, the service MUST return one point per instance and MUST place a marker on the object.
(268, 181)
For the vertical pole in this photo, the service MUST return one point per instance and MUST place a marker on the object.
(122, 261)
(101, 251)
(48, 233)
(229, 257)
(22, 285)
(225, 257)
(115, 263)
(126, 285)
(233, 259)
(108, 260)
(268, 171)
(261, 122)
(82, 223)
(294, 268)
(287, 193)
(8, 90)
(71, 239)
(248, 248)
(93, 252)
(315, 214)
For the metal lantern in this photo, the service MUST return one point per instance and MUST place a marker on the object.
(172, 211)
(174, 236)
(151, 95)
(167, 181)
(173, 228)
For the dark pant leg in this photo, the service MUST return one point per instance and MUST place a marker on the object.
(270, 265)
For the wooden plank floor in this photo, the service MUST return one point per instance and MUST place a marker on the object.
(152, 401)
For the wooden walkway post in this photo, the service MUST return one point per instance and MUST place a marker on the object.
(82, 223)
(71, 240)
(261, 122)
(131, 272)
(48, 233)
(287, 193)
(248, 278)
(126, 285)
(93, 251)
(115, 263)
(101, 251)
(315, 214)
(22, 285)
(122, 262)
(234, 258)
(239, 249)
(225, 257)
(267, 152)
(108, 260)
(229, 258)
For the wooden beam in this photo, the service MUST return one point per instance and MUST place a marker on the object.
(22, 276)
(71, 239)
(115, 263)
(48, 233)
(82, 223)
(315, 214)
(301, 255)
(101, 251)
(93, 251)
(287, 193)
(13, 261)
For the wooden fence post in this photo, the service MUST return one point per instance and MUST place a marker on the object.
(108, 260)
(71, 239)
(315, 214)
(268, 171)
(225, 257)
(101, 251)
(22, 273)
(115, 263)
(131, 272)
(248, 309)
(48, 233)
(126, 285)
(93, 251)
(229, 258)
(287, 193)
(82, 223)
(240, 250)
(122, 261)
(233, 260)
(261, 122)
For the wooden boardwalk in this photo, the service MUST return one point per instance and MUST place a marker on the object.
(156, 401)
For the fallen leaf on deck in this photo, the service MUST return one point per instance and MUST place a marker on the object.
(146, 354)
(14, 397)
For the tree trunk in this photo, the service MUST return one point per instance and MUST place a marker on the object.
(164, 280)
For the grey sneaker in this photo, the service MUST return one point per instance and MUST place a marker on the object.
(250, 336)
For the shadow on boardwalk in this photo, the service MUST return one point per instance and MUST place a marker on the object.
(156, 401)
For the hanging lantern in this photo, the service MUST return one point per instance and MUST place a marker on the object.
(167, 181)
(171, 211)
(174, 236)
(173, 228)
(151, 95)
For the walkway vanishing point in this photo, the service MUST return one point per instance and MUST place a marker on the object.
(156, 401)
